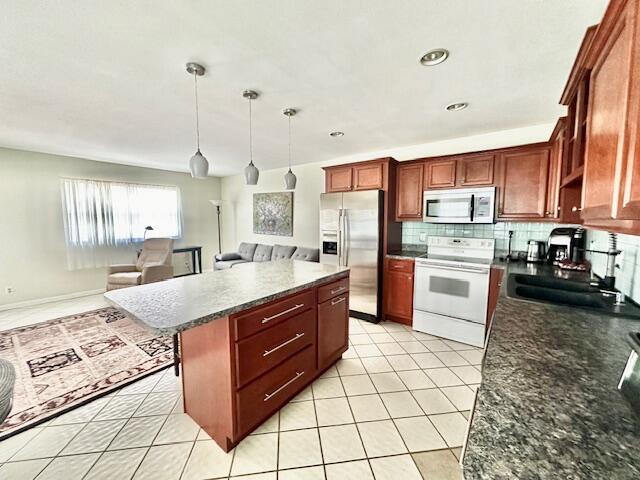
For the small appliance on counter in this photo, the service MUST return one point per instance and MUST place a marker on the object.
(535, 251)
(562, 244)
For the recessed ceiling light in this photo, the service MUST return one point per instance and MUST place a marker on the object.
(337, 134)
(434, 57)
(454, 107)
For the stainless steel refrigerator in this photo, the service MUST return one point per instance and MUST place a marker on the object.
(351, 236)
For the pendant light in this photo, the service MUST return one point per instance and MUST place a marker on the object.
(289, 177)
(251, 173)
(198, 164)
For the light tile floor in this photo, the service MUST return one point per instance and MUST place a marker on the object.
(395, 407)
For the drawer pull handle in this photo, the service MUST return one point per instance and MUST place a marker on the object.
(337, 290)
(268, 396)
(283, 344)
(335, 302)
(268, 319)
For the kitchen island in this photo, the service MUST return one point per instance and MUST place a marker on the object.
(251, 337)
(548, 405)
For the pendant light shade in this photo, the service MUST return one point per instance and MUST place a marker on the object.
(198, 165)
(290, 179)
(251, 172)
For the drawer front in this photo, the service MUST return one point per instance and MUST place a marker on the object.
(396, 265)
(260, 353)
(273, 313)
(260, 399)
(330, 290)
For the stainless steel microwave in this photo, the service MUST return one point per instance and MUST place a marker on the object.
(462, 205)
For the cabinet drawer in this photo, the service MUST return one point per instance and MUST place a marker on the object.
(260, 353)
(261, 398)
(396, 265)
(268, 315)
(325, 292)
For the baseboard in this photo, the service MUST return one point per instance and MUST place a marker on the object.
(58, 298)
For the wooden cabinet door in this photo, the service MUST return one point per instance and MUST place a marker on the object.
(475, 170)
(399, 296)
(609, 164)
(409, 191)
(368, 177)
(440, 174)
(522, 185)
(552, 207)
(333, 329)
(339, 179)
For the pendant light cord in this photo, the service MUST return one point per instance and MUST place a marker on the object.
(195, 79)
(250, 135)
(289, 117)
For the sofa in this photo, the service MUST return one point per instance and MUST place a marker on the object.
(258, 252)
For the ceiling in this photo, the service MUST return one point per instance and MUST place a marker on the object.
(106, 80)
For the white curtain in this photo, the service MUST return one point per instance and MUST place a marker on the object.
(103, 221)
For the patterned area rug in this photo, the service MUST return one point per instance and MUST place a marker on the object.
(63, 363)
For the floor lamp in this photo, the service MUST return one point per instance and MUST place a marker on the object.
(217, 204)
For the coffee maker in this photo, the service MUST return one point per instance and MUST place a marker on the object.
(565, 244)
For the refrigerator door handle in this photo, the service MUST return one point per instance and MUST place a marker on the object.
(346, 236)
(340, 237)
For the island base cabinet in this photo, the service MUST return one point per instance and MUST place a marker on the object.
(333, 329)
(239, 370)
(262, 398)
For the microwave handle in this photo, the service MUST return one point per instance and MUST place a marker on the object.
(473, 207)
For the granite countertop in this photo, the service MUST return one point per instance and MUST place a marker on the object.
(548, 406)
(181, 303)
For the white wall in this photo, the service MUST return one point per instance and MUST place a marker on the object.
(237, 211)
(32, 246)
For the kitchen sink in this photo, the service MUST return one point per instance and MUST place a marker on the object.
(571, 293)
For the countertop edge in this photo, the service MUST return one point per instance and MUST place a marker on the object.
(231, 310)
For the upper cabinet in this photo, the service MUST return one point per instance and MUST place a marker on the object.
(409, 191)
(370, 175)
(338, 179)
(440, 174)
(522, 182)
(475, 170)
(611, 188)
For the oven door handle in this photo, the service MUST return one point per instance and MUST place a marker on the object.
(456, 269)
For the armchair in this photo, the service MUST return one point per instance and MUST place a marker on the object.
(153, 265)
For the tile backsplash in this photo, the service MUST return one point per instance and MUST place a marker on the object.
(628, 263)
(415, 233)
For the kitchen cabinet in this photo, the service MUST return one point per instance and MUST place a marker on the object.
(522, 182)
(611, 184)
(552, 205)
(495, 283)
(368, 177)
(398, 294)
(338, 179)
(239, 370)
(440, 174)
(409, 191)
(475, 170)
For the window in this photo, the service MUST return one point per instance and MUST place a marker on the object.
(108, 215)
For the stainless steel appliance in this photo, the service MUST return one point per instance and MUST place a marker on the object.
(561, 244)
(350, 235)
(462, 205)
(535, 251)
(629, 384)
(451, 288)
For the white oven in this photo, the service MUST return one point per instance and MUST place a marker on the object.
(451, 288)
(462, 205)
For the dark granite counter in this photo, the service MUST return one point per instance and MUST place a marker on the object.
(405, 254)
(548, 406)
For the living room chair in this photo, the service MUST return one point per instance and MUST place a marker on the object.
(153, 265)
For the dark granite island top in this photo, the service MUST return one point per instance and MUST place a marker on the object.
(181, 303)
(548, 406)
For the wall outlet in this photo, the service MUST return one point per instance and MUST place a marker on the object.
(9, 290)
(423, 237)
